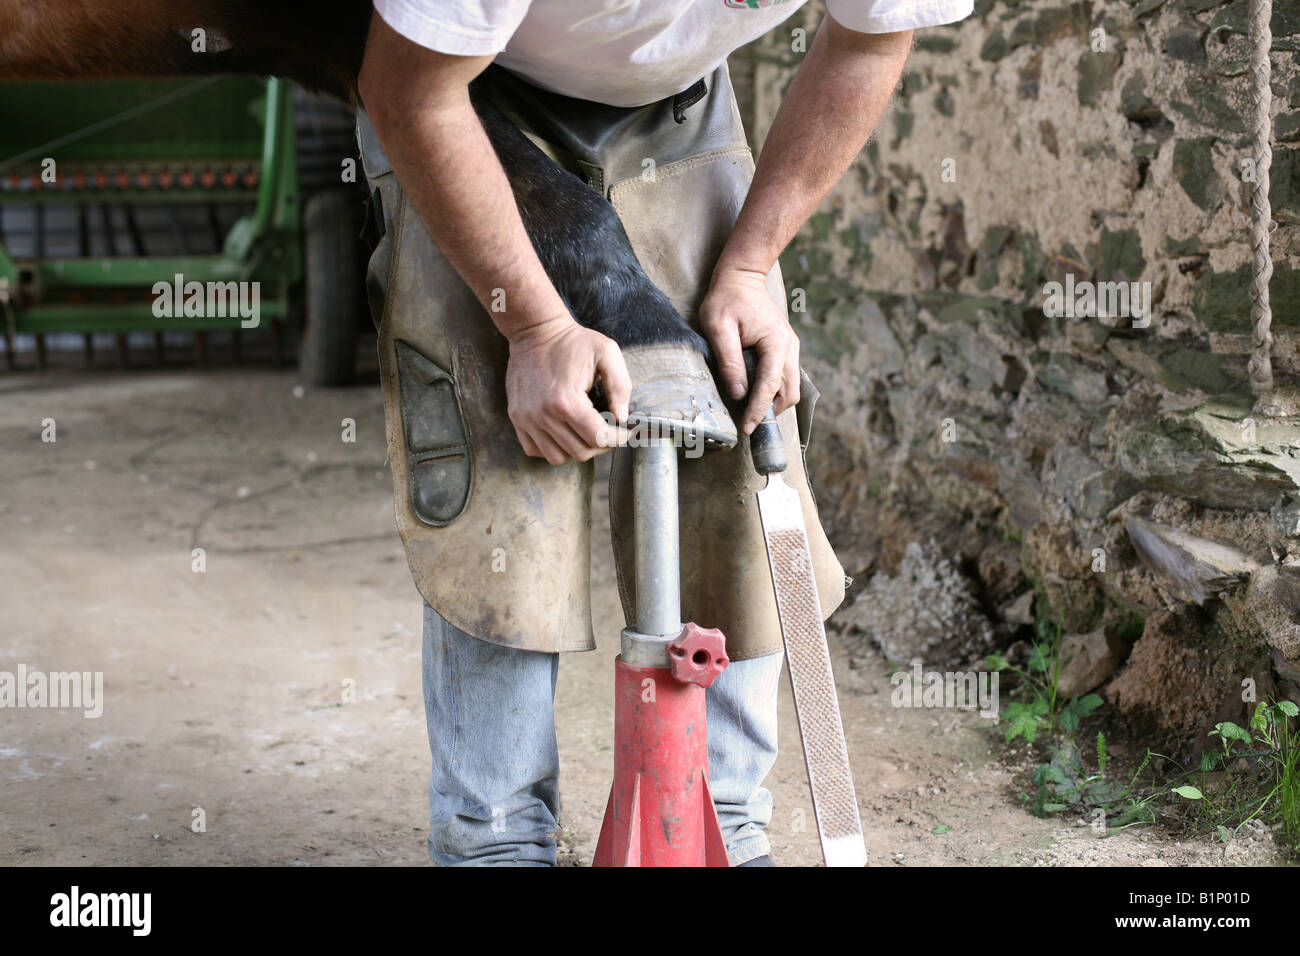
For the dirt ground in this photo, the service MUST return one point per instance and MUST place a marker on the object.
(224, 689)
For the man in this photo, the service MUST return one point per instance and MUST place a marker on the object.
(474, 338)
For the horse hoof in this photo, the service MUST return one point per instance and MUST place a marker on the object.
(674, 394)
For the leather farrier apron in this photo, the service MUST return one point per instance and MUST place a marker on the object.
(498, 542)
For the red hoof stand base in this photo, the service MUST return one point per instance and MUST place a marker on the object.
(660, 810)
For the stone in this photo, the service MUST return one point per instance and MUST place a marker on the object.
(1288, 670)
(1284, 184)
(1096, 75)
(1190, 567)
(1052, 558)
(1285, 515)
(1064, 373)
(1031, 254)
(934, 42)
(1216, 454)
(882, 348)
(1227, 54)
(1273, 599)
(1286, 128)
(1050, 419)
(1020, 611)
(1087, 337)
(1194, 169)
(1177, 368)
(1207, 103)
(1191, 246)
(1087, 661)
(995, 47)
(928, 610)
(1023, 495)
(904, 121)
(1169, 679)
(1145, 152)
(1285, 21)
(967, 308)
(1089, 489)
(1191, 368)
(978, 361)
(999, 570)
(911, 84)
(1024, 32)
(944, 103)
(996, 238)
(1199, 6)
(1029, 77)
(975, 474)
(1232, 18)
(1183, 42)
(1134, 102)
(1121, 255)
(828, 331)
(1222, 299)
(1139, 356)
(1282, 401)
(1056, 23)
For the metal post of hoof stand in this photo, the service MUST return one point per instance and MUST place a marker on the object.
(660, 810)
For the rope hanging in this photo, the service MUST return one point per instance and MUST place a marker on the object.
(1261, 315)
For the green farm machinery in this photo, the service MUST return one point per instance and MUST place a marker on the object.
(164, 206)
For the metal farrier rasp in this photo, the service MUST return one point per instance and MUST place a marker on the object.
(660, 810)
(808, 659)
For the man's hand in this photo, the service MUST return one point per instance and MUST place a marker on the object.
(419, 103)
(737, 313)
(835, 99)
(552, 367)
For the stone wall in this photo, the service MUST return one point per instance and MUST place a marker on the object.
(1116, 468)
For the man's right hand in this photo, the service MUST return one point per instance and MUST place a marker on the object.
(419, 103)
(552, 367)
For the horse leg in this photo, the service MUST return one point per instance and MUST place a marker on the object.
(582, 245)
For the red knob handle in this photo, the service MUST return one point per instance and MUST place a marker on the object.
(698, 655)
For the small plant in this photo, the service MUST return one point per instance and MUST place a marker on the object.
(1041, 675)
(1135, 809)
(1268, 786)
(1251, 780)
(1063, 783)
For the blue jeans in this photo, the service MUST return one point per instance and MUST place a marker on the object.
(493, 793)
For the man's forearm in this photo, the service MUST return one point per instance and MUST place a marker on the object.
(447, 167)
(837, 96)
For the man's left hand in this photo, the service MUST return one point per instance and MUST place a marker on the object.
(738, 312)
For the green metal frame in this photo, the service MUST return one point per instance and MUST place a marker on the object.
(264, 246)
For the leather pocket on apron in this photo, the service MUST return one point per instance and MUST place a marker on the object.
(441, 469)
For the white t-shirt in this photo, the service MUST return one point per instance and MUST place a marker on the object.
(628, 52)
